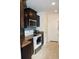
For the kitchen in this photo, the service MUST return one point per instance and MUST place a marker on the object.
(38, 26)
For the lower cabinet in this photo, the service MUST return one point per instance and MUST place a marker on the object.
(27, 51)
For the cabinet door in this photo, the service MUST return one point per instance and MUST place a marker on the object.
(30, 13)
(24, 54)
(27, 51)
(26, 22)
(38, 21)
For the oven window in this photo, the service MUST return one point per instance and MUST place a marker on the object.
(39, 40)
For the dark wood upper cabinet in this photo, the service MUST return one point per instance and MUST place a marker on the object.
(31, 19)
(38, 21)
(30, 13)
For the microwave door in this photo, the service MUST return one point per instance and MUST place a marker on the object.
(32, 23)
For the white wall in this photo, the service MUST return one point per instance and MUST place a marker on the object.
(49, 25)
(44, 25)
(53, 27)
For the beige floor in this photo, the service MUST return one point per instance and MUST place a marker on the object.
(49, 51)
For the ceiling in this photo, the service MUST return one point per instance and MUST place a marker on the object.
(43, 5)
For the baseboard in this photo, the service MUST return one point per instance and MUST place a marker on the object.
(54, 41)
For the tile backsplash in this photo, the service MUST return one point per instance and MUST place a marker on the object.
(28, 32)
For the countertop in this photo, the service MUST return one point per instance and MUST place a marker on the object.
(26, 41)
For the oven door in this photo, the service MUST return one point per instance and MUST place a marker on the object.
(37, 41)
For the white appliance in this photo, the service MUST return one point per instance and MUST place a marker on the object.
(37, 41)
